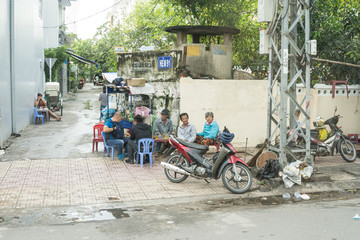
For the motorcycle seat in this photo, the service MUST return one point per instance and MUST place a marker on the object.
(193, 145)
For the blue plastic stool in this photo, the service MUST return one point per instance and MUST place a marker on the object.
(145, 146)
(107, 148)
(37, 116)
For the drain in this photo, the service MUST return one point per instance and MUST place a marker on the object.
(102, 215)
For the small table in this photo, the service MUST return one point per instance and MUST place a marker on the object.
(46, 111)
(161, 140)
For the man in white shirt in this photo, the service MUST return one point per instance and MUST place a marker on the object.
(186, 131)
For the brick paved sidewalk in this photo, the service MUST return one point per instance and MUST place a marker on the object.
(65, 182)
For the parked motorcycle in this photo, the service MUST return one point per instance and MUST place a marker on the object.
(335, 140)
(190, 161)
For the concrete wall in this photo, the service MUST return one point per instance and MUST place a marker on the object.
(165, 81)
(5, 93)
(322, 104)
(241, 106)
(215, 62)
(22, 67)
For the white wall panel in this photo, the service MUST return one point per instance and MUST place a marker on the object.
(5, 94)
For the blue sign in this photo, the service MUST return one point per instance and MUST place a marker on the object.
(164, 62)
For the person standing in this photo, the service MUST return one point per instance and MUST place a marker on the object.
(114, 133)
(186, 131)
(210, 132)
(163, 127)
(139, 130)
(103, 100)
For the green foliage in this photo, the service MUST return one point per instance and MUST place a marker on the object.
(335, 25)
(60, 54)
(146, 24)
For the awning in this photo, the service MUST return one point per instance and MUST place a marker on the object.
(146, 90)
(81, 59)
(109, 76)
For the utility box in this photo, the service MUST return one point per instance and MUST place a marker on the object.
(264, 44)
(311, 47)
(266, 10)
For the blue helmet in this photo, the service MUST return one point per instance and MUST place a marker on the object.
(226, 137)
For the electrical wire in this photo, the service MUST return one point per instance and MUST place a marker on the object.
(82, 19)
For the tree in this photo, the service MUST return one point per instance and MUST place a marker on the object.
(60, 54)
(335, 25)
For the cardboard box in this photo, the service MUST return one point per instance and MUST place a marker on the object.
(136, 82)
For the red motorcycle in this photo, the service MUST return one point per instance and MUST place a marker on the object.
(190, 161)
(81, 83)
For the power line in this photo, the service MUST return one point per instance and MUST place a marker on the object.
(79, 20)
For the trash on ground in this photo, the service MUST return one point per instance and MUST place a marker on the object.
(305, 196)
(264, 198)
(307, 172)
(286, 196)
(356, 217)
(291, 174)
(270, 170)
(2, 152)
(297, 196)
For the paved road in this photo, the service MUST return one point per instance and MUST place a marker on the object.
(306, 220)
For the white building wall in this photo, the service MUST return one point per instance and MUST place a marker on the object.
(25, 54)
(51, 17)
(5, 93)
(240, 105)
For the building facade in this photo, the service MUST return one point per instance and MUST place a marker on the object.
(22, 63)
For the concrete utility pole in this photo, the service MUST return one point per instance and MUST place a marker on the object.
(289, 49)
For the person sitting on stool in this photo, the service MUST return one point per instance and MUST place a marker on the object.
(139, 130)
(163, 127)
(114, 133)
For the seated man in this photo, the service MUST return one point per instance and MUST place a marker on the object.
(186, 131)
(42, 104)
(114, 133)
(210, 132)
(163, 127)
(139, 130)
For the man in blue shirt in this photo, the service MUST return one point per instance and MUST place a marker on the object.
(114, 133)
(210, 132)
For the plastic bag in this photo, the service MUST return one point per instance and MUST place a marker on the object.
(142, 111)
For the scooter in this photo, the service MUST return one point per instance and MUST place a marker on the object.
(334, 141)
(190, 161)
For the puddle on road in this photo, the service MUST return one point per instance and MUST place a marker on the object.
(102, 215)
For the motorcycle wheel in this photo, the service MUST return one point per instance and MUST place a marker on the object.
(347, 150)
(240, 185)
(176, 160)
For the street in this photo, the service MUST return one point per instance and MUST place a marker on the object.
(206, 220)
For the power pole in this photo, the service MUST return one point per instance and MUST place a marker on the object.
(289, 49)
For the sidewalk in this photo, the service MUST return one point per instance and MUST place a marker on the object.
(53, 165)
(85, 181)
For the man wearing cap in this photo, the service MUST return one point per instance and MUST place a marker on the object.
(163, 126)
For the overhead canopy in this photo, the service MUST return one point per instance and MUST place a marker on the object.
(109, 76)
(146, 90)
(81, 59)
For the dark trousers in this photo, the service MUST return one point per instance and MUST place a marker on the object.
(132, 148)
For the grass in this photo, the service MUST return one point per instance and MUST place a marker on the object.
(87, 105)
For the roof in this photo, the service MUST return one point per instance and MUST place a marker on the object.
(202, 30)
